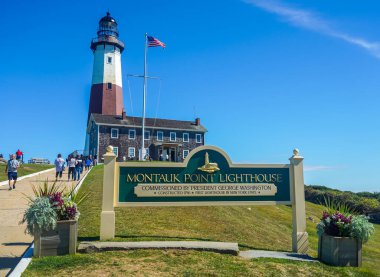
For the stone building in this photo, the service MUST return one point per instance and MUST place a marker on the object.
(174, 138)
(108, 123)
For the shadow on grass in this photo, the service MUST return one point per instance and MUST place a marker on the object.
(141, 238)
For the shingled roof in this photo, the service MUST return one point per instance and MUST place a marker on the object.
(131, 121)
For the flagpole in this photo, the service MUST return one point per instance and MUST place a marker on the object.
(144, 99)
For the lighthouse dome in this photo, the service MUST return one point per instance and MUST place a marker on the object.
(108, 26)
(107, 18)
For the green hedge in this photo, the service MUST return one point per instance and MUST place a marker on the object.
(362, 202)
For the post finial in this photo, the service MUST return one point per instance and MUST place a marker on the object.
(109, 149)
(296, 152)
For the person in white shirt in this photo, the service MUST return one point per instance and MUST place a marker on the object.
(71, 165)
(59, 166)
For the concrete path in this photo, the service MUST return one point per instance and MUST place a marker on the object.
(13, 240)
(254, 254)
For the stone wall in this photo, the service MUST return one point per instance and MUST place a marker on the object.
(93, 142)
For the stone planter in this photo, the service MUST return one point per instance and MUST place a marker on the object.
(60, 241)
(340, 251)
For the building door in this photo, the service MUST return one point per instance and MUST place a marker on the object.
(173, 155)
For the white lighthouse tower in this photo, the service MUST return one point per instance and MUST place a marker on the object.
(106, 89)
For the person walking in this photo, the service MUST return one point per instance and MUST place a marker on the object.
(59, 166)
(11, 169)
(88, 163)
(71, 166)
(18, 154)
(78, 170)
(83, 162)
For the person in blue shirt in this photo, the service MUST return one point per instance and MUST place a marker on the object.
(88, 163)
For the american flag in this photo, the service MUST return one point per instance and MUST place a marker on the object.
(153, 42)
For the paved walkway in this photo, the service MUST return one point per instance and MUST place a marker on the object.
(254, 254)
(13, 240)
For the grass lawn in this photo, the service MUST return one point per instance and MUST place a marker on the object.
(266, 227)
(25, 169)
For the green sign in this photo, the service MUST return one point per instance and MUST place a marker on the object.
(207, 175)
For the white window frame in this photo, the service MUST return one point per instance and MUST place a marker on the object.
(131, 131)
(117, 151)
(184, 151)
(146, 137)
(162, 133)
(129, 152)
(183, 137)
(109, 60)
(198, 136)
(175, 136)
(117, 133)
(109, 86)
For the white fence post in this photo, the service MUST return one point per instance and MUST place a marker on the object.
(300, 242)
(107, 217)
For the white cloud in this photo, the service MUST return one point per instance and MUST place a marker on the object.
(309, 20)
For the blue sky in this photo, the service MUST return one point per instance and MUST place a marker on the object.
(263, 76)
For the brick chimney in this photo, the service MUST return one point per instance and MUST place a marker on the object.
(197, 121)
(123, 115)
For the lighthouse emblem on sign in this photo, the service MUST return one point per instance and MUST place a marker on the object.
(208, 167)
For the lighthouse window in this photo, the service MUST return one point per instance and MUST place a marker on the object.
(109, 60)
(109, 85)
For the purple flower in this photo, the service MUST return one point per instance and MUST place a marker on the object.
(56, 200)
(71, 212)
(325, 215)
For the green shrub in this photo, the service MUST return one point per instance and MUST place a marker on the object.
(40, 216)
(362, 202)
(361, 228)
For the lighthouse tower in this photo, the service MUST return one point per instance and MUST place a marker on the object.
(106, 90)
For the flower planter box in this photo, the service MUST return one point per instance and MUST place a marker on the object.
(340, 251)
(60, 241)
